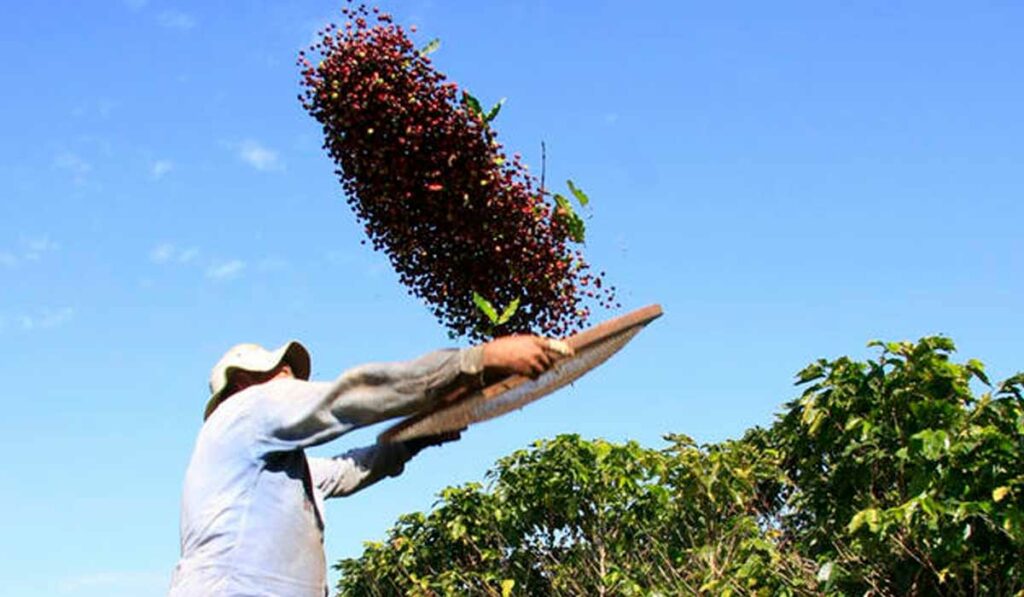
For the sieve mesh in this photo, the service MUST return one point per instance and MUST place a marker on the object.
(592, 347)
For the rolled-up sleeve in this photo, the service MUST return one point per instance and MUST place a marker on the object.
(299, 414)
(356, 469)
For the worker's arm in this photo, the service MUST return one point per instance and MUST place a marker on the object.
(357, 469)
(297, 414)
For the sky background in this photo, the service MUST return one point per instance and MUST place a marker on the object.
(789, 180)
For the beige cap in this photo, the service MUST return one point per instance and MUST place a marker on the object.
(255, 358)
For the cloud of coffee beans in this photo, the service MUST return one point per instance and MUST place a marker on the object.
(465, 226)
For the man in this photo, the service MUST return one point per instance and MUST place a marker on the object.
(252, 507)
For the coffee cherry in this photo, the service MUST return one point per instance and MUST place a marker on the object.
(431, 184)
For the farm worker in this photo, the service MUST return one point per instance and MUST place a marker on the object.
(252, 507)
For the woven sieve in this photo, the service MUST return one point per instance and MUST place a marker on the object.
(591, 347)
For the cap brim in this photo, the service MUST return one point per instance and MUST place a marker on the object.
(293, 353)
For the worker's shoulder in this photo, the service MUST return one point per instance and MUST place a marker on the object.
(238, 415)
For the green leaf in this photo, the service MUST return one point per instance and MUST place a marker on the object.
(493, 113)
(868, 516)
(810, 373)
(456, 529)
(708, 586)
(579, 194)
(999, 493)
(825, 572)
(431, 47)
(506, 587)
(853, 422)
(932, 443)
(486, 307)
(472, 103)
(572, 220)
(509, 311)
(978, 369)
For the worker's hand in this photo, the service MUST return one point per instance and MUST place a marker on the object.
(415, 445)
(525, 355)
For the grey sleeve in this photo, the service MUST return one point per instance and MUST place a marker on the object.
(299, 414)
(357, 469)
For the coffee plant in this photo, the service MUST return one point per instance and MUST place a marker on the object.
(422, 168)
(887, 477)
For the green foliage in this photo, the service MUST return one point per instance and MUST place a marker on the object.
(495, 109)
(491, 313)
(575, 517)
(903, 479)
(567, 214)
(887, 477)
(431, 47)
(477, 109)
(579, 194)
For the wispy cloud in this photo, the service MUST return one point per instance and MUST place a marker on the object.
(101, 108)
(46, 319)
(258, 156)
(339, 257)
(373, 265)
(29, 249)
(174, 19)
(73, 164)
(225, 270)
(215, 269)
(117, 583)
(187, 255)
(162, 253)
(168, 253)
(160, 168)
(35, 248)
(272, 264)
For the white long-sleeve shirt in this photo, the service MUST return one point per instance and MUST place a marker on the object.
(252, 506)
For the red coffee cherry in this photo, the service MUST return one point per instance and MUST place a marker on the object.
(425, 174)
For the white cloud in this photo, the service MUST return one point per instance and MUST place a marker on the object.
(187, 255)
(225, 270)
(162, 253)
(31, 249)
(259, 157)
(173, 19)
(101, 108)
(75, 165)
(339, 257)
(46, 319)
(272, 264)
(52, 319)
(106, 107)
(34, 248)
(160, 168)
(117, 583)
(372, 264)
(167, 253)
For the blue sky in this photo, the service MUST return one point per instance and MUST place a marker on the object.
(789, 180)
